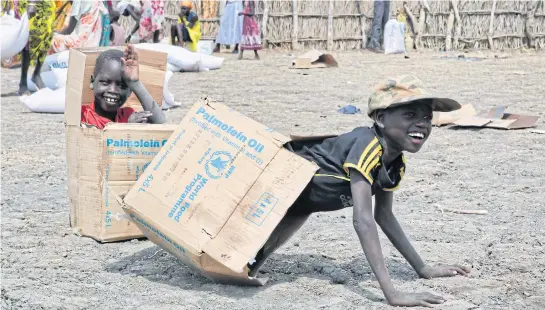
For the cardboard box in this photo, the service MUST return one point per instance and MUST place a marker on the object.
(314, 59)
(216, 191)
(102, 164)
(497, 118)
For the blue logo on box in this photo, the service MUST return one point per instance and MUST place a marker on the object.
(262, 208)
(218, 164)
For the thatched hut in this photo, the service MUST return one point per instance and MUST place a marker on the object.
(345, 24)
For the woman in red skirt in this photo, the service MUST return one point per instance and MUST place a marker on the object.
(251, 35)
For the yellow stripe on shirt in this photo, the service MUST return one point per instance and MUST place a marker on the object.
(367, 150)
(332, 176)
(371, 158)
(367, 176)
(372, 165)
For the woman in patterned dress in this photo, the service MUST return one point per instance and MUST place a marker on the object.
(41, 14)
(85, 26)
(251, 35)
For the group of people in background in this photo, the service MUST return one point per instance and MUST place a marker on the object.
(57, 26)
(239, 27)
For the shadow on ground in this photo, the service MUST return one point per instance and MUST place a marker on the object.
(159, 266)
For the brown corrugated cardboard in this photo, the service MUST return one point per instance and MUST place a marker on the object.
(216, 190)
(103, 164)
(445, 118)
(497, 118)
(314, 59)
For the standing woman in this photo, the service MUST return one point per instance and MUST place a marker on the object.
(84, 27)
(41, 14)
(251, 35)
(230, 31)
(151, 20)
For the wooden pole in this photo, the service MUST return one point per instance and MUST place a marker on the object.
(421, 24)
(413, 20)
(491, 27)
(330, 26)
(295, 27)
(527, 25)
(450, 25)
(458, 21)
(264, 23)
(363, 26)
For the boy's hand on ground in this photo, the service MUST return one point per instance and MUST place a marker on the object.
(401, 299)
(428, 272)
(130, 64)
(139, 117)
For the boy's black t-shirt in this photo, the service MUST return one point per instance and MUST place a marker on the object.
(359, 149)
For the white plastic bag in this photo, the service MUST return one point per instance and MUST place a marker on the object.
(182, 58)
(168, 97)
(173, 68)
(49, 78)
(14, 35)
(394, 37)
(45, 101)
(205, 47)
(56, 61)
(61, 75)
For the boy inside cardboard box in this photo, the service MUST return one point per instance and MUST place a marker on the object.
(225, 191)
(103, 163)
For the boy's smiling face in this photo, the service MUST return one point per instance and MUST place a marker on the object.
(406, 127)
(109, 88)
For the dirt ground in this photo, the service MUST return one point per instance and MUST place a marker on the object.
(45, 266)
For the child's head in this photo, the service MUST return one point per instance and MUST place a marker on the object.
(185, 7)
(114, 17)
(402, 110)
(109, 88)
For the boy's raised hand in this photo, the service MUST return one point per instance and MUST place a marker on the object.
(429, 272)
(130, 64)
(139, 117)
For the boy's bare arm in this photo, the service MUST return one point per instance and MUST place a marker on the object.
(157, 115)
(366, 229)
(387, 221)
(391, 228)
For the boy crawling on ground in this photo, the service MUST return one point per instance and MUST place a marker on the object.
(116, 75)
(365, 162)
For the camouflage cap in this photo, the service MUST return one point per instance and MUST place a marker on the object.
(404, 90)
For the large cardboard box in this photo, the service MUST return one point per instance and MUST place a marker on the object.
(102, 164)
(216, 190)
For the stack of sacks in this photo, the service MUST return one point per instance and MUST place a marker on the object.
(181, 59)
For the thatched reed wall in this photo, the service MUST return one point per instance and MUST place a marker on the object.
(346, 24)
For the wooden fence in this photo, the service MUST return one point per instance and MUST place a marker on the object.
(346, 25)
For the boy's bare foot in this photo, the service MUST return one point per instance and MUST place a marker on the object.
(38, 81)
(239, 57)
(257, 57)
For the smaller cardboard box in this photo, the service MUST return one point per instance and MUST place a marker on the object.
(102, 164)
(314, 59)
(497, 118)
(216, 191)
(445, 118)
